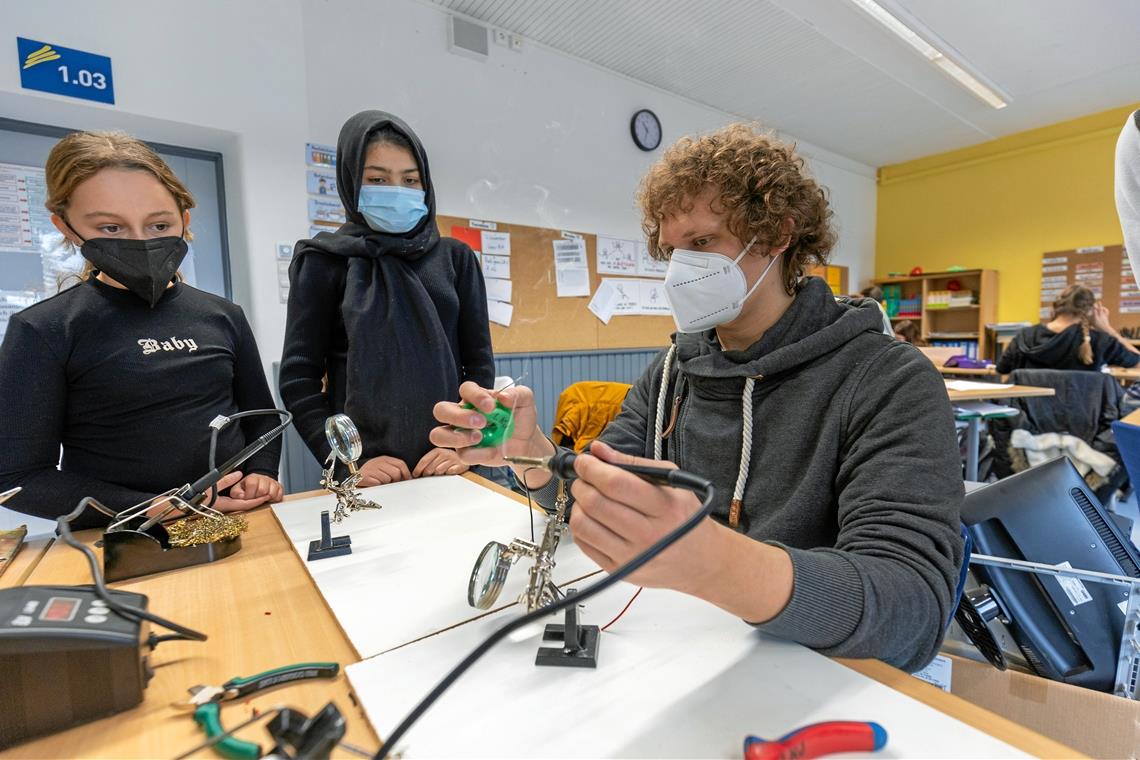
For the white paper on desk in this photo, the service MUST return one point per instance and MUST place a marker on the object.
(648, 266)
(602, 304)
(497, 243)
(497, 266)
(497, 289)
(500, 312)
(571, 271)
(970, 385)
(651, 299)
(676, 678)
(627, 295)
(617, 256)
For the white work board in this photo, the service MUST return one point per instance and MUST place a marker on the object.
(407, 575)
(676, 677)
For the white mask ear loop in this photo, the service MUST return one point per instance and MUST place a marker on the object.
(762, 274)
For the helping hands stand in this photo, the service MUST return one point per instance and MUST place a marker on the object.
(344, 440)
(580, 642)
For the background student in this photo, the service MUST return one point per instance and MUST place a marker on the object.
(385, 316)
(1078, 337)
(126, 369)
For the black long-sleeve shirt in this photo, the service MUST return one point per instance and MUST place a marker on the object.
(316, 347)
(128, 392)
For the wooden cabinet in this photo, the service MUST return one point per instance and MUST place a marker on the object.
(922, 300)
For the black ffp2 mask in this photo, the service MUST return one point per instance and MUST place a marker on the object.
(145, 267)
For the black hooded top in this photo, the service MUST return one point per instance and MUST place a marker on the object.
(1038, 347)
(395, 322)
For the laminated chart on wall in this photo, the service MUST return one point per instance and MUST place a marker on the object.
(326, 213)
(1129, 291)
(32, 257)
(1103, 269)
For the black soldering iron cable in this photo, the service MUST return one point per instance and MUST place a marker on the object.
(64, 525)
(564, 467)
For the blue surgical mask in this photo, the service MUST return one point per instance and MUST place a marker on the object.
(388, 208)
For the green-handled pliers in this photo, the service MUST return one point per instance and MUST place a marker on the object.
(204, 701)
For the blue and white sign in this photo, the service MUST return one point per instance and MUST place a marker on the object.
(65, 71)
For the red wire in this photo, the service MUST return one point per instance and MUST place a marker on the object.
(623, 609)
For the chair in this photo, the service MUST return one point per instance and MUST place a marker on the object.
(584, 409)
(1085, 406)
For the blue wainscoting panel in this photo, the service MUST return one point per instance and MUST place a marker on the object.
(547, 374)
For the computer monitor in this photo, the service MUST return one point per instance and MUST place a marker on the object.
(1068, 630)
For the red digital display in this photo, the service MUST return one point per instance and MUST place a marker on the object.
(60, 609)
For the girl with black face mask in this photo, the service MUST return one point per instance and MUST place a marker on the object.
(126, 369)
(386, 317)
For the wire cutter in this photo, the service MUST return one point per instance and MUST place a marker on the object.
(817, 740)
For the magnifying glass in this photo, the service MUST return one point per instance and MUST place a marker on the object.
(489, 575)
(344, 439)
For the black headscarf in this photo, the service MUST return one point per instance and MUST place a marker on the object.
(399, 363)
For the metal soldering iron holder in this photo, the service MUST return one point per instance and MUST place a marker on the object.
(129, 552)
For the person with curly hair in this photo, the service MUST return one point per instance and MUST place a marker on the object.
(831, 445)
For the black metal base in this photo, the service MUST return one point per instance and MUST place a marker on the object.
(579, 643)
(328, 546)
(132, 553)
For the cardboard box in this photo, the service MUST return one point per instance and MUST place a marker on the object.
(1097, 724)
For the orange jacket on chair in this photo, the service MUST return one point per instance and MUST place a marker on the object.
(584, 410)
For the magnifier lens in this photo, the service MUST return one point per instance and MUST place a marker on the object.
(343, 437)
(488, 576)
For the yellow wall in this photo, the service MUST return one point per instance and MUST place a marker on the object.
(1001, 204)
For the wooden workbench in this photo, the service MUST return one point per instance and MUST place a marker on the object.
(262, 611)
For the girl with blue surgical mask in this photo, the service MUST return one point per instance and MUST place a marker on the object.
(386, 317)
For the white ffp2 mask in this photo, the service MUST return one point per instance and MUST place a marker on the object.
(707, 289)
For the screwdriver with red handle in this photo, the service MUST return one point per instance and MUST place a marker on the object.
(818, 740)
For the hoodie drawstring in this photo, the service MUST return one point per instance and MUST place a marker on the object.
(746, 435)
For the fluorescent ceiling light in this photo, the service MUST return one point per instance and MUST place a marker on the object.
(931, 53)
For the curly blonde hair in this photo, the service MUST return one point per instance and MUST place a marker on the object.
(760, 183)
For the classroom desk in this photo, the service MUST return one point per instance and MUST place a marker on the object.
(967, 372)
(974, 424)
(24, 562)
(261, 611)
(1126, 375)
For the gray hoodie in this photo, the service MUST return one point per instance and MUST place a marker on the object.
(854, 469)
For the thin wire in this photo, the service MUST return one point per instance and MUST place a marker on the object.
(626, 607)
(677, 478)
(529, 503)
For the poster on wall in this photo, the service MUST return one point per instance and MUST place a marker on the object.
(320, 155)
(326, 211)
(319, 182)
(616, 256)
(33, 257)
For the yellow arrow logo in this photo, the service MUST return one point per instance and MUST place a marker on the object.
(43, 55)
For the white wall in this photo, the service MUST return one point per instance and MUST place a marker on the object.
(535, 137)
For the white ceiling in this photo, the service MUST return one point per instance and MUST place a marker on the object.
(825, 72)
